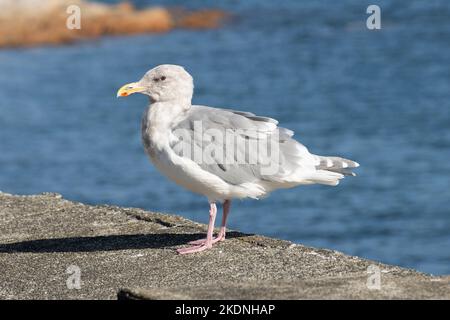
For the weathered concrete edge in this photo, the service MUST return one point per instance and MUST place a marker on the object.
(340, 287)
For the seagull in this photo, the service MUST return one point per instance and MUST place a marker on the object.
(222, 154)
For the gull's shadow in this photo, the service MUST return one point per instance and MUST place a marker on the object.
(105, 243)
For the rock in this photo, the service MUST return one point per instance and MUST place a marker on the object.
(36, 22)
(47, 241)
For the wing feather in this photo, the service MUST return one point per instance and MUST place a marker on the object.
(250, 134)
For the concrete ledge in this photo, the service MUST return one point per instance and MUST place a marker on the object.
(129, 254)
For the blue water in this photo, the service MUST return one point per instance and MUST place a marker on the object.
(379, 97)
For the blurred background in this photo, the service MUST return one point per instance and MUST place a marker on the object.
(380, 97)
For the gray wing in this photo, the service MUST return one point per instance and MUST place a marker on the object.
(237, 146)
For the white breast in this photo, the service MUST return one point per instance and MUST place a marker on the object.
(183, 171)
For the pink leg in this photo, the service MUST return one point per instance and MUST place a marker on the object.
(209, 235)
(222, 232)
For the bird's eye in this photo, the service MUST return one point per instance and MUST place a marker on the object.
(156, 79)
(163, 78)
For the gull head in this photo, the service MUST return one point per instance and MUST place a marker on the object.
(164, 83)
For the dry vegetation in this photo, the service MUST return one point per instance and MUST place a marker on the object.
(32, 22)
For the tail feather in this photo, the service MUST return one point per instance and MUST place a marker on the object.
(329, 178)
(336, 164)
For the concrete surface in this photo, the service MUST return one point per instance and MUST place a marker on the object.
(129, 253)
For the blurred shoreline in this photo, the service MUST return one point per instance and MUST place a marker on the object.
(27, 23)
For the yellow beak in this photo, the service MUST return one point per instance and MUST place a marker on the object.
(129, 89)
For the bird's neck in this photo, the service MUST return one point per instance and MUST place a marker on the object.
(157, 122)
(163, 115)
